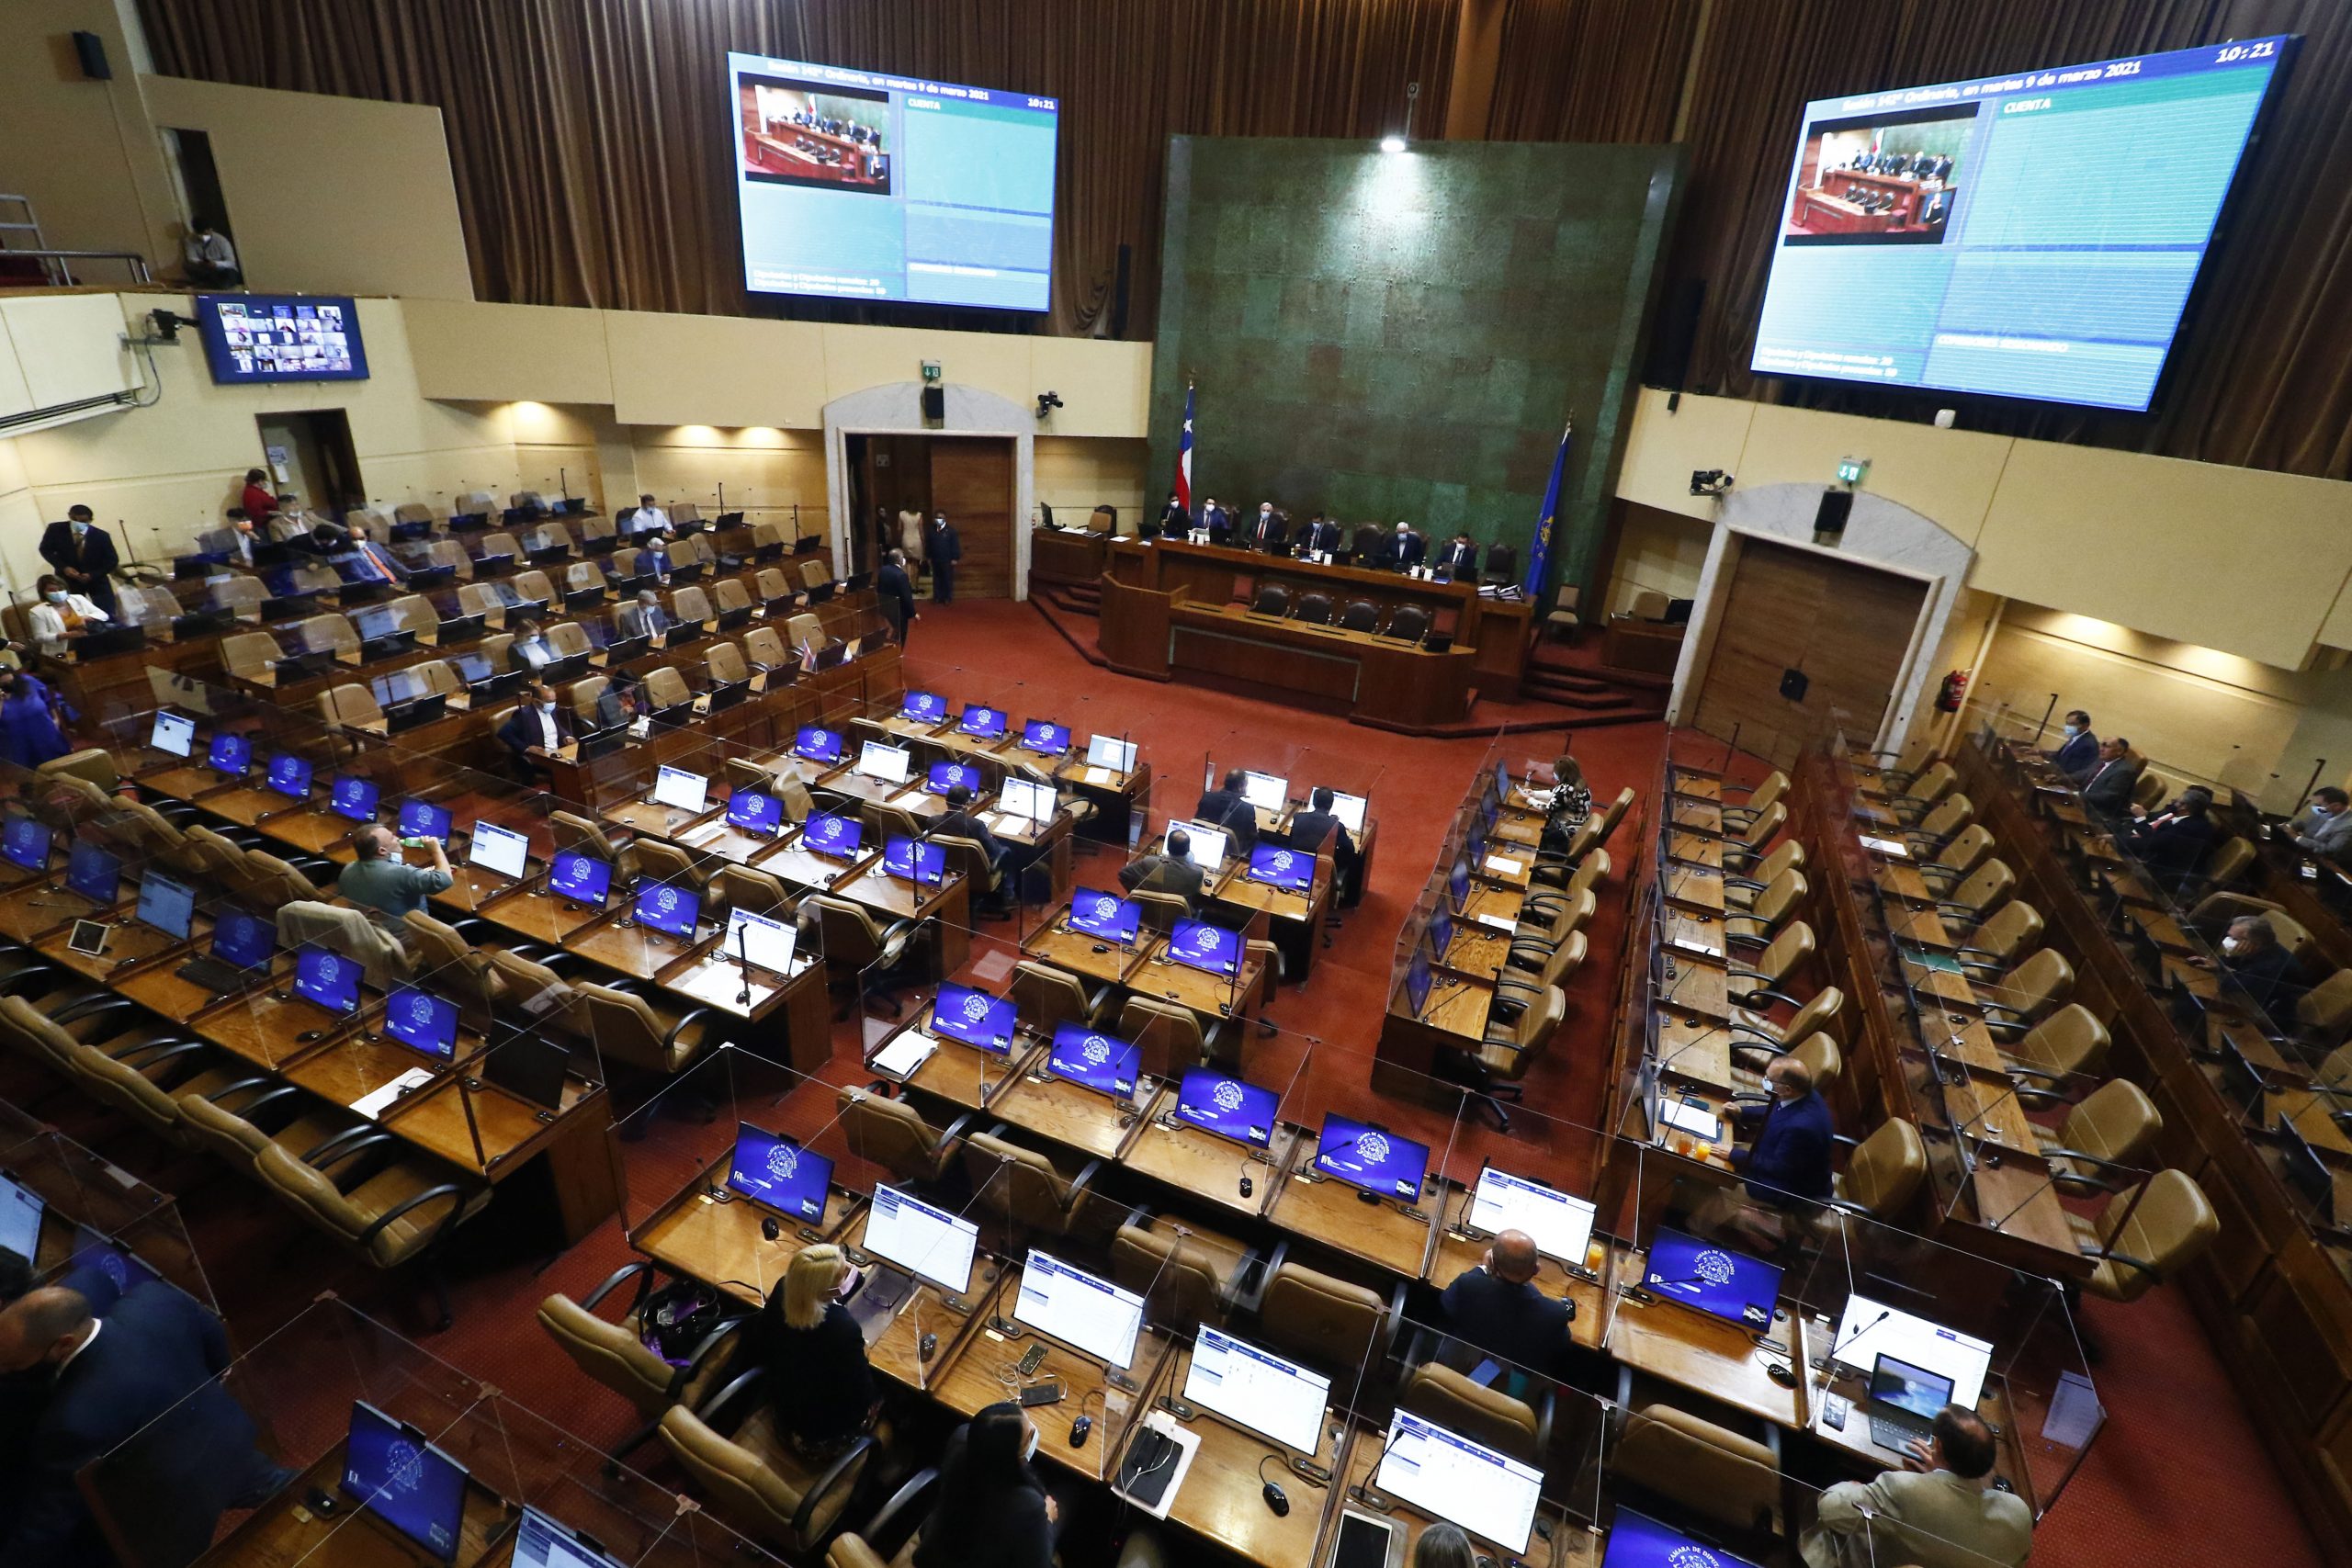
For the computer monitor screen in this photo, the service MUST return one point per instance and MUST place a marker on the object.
(327, 978)
(945, 776)
(231, 753)
(242, 939)
(290, 775)
(981, 720)
(20, 1212)
(542, 1542)
(1102, 1062)
(1279, 865)
(93, 874)
(165, 905)
(1637, 1540)
(1715, 1280)
(760, 940)
(815, 743)
(1226, 1106)
(1984, 219)
(923, 707)
(1869, 1328)
(1105, 914)
(404, 1480)
(1044, 736)
(1266, 790)
(1443, 1473)
(1909, 1388)
(921, 1239)
(421, 819)
(976, 1018)
(1276, 1398)
(499, 850)
(354, 799)
(754, 811)
(827, 834)
(771, 1169)
(1078, 1309)
(574, 875)
(1457, 885)
(1027, 799)
(1204, 845)
(252, 338)
(26, 842)
(1111, 751)
(914, 859)
(1419, 978)
(421, 1021)
(1371, 1158)
(1441, 931)
(667, 908)
(93, 1248)
(1349, 809)
(1200, 945)
(173, 732)
(678, 788)
(1560, 1225)
(887, 763)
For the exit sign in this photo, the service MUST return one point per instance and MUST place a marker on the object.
(1851, 470)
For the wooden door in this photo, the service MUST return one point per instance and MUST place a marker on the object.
(1845, 623)
(972, 481)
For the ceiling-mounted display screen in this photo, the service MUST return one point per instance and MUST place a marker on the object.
(857, 184)
(2032, 236)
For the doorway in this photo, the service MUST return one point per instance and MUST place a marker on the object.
(311, 454)
(969, 477)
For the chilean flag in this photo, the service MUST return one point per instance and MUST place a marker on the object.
(1185, 457)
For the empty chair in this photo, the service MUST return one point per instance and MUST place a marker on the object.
(1930, 785)
(1769, 909)
(326, 634)
(691, 605)
(2230, 860)
(1027, 1196)
(1963, 854)
(451, 554)
(816, 571)
(1170, 1038)
(735, 887)
(536, 586)
(1484, 1414)
(863, 958)
(724, 664)
(2137, 1245)
(1046, 997)
(1739, 892)
(1330, 1323)
(339, 928)
(2324, 1013)
(495, 552)
(250, 656)
(1648, 604)
(772, 585)
(1821, 1013)
(1744, 848)
(1563, 617)
(1512, 1044)
(1186, 1276)
(1707, 1470)
(894, 1135)
(626, 1027)
(1359, 615)
(238, 1121)
(2104, 1143)
(1501, 564)
(1546, 923)
(351, 707)
(1409, 623)
(1945, 817)
(1780, 958)
(1315, 609)
(2014, 930)
(456, 968)
(804, 630)
(658, 859)
(413, 512)
(2069, 1042)
(376, 1199)
(764, 649)
(144, 1080)
(1882, 1171)
(750, 1476)
(1981, 892)
(1768, 792)
(2038, 985)
(1273, 599)
(728, 595)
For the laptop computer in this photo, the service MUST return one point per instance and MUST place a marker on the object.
(1904, 1400)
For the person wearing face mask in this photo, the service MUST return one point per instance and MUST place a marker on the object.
(2254, 962)
(1269, 531)
(2107, 793)
(993, 1509)
(534, 732)
(1789, 1157)
(83, 554)
(2078, 752)
(530, 650)
(2324, 827)
(819, 1386)
(59, 611)
(944, 549)
(1217, 522)
(29, 734)
(2173, 843)
(1406, 549)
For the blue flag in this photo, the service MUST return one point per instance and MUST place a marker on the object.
(1539, 555)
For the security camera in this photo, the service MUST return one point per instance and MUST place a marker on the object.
(1048, 403)
(1709, 482)
(166, 325)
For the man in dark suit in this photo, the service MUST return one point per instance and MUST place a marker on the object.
(1226, 808)
(1310, 827)
(1496, 1308)
(2108, 792)
(1269, 531)
(943, 549)
(1174, 519)
(1790, 1157)
(1218, 522)
(535, 731)
(2077, 754)
(644, 618)
(148, 1370)
(895, 595)
(2255, 964)
(1320, 536)
(2173, 843)
(83, 554)
(618, 704)
(1170, 871)
(376, 563)
(957, 822)
(1406, 548)
(1460, 557)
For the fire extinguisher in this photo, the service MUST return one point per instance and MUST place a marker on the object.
(1955, 687)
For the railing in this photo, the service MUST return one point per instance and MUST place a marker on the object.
(55, 271)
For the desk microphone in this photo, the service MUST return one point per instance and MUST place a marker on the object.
(1830, 1356)
(743, 958)
(1645, 1291)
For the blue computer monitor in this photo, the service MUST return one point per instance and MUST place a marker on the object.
(1044, 736)
(945, 776)
(667, 908)
(327, 978)
(771, 1169)
(755, 812)
(421, 1021)
(1714, 1279)
(923, 707)
(815, 743)
(914, 859)
(396, 1474)
(421, 819)
(973, 1016)
(982, 721)
(93, 874)
(354, 798)
(1279, 865)
(1457, 885)
(167, 903)
(231, 753)
(1419, 978)
(572, 875)
(1200, 945)
(1371, 1159)
(290, 775)
(1101, 1062)
(26, 842)
(95, 1250)
(1440, 932)
(827, 834)
(1220, 1103)
(1105, 914)
(1637, 1540)
(245, 940)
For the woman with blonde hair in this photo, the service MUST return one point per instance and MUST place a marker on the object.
(817, 1383)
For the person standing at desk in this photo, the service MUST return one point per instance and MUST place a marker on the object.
(1458, 558)
(1269, 530)
(1170, 871)
(994, 1510)
(1787, 1165)
(83, 554)
(944, 549)
(1406, 549)
(1496, 1308)
(1228, 808)
(255, 498)
(896, 594)
(530, 650)
(30, 733)
(1939, 1507)
(378, 881)
(534, 732)
(2077, 754)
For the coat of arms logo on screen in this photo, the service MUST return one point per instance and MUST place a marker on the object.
(783, 1160)
(1712, 1267)
(1227, 1096)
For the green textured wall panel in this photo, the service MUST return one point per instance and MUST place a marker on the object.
(1402, 335)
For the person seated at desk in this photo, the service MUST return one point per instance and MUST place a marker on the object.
(530, 650)
(1228, 808)
(2173, 843)
(648, 518)
(153, 1361)
(819, 1388)
(2324, 828)
(2107, 793)
(234, 543)
(534, 732)
(1173, 520)
(1496, 1308)
(1319, 537)
(1269, 531)
(1311, 827)
(1217, 522)
(654, 557)
(957, 822)
(2077, 754)
(618, 704)
(1787, 1165)
(1406, 549)
(380, 881)
(1460, 557)
(1940, 1507)
(994, 1510)
(1170, 871)
(2259, 967)
(60, 612)
(377, 564)
(644, 618)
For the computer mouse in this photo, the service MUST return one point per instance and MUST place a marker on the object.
(1781, 1373)
(307, 1035)
(1278, 1500)
(1099, 947)
(769, 1228)
(1077, 1430)
(926, 1346)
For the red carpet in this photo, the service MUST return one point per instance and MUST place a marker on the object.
(2178, 1463)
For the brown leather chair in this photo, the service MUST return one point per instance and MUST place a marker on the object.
(536, 994)
(1743, 850)
(2323, 1015)
(1549, 920)
(614, 1353)
(983, 877)
(1925, 788)
(2026, 994)
(238, 1121)
(1783, 956)
(741, 887)
(752, 1478)
(1168, 1036)
(1819, 1051)
(1942, 822)
(375, 1199)
(2069, 1042)
(894, 1135)
(145, 1080)
(1768, 910)
(1982, 891)
(1739, 892)
(1532, 962)
(626, 1027)
(1957, 859)
(1481, 1414)
(658, 859)
(1768, 793)
(2104, 1143)
(1882, 1172)
(572, 831)
(1045, 997)
(1709, 1470)
(866, 960)
(1514, 1039)
(1027, 1196)
(1186, 1274)
(1161, 911)
(2002, 940)
(1330, 1323)
(2138, 1245)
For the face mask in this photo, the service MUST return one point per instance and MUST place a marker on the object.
(548, 708)
(2230, 945)
(1029, 1449)
(80, 526)
(54, 598)
(2073, 730)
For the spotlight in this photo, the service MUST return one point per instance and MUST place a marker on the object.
(1397, 141)
(1709, 482)
(1392, 144)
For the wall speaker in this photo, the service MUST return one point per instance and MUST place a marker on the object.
(91, 50)
(1120, 283)
(1674, 335)
(934, 402)
(1829, 519)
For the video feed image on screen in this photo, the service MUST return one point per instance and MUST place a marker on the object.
(800, 133)
(1889, 180)
(294, 340)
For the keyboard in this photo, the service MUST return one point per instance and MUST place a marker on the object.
(217, 975)
(886, 1288)
(1897, 1430)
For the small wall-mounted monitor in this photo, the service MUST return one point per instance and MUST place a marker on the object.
(261, 338)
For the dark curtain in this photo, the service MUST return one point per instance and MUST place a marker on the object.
(1591, 70)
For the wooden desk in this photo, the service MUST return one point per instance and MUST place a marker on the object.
(1222, 1499)
(1697, 817)
(1697, 987)
(1330, 1213)
(1692, 1350)
(285, 1531)
(1207, 1169)
(719, 1239)
(1694, 848)
(1557, 1541)
(1693, 1048)
(954, 1073)
(1212, 996)
(1073, 1115)
(1057, 943)
(1693, 934)
(1698, 887)
(1458, 1250)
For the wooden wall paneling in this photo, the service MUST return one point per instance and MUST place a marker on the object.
(972, 481)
